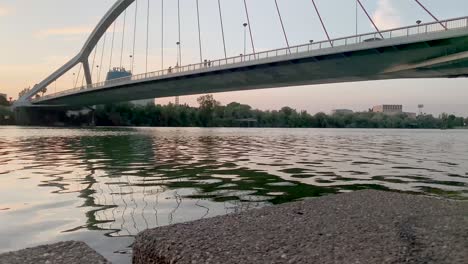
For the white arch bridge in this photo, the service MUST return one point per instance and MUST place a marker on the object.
(436, 49)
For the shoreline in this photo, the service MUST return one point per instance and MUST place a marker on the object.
(358, 227)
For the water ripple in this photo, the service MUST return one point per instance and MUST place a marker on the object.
(110, 183)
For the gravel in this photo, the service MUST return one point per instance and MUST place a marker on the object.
(359, 227)
(70, 252)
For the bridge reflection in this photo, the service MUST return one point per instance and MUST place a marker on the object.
(132, 182)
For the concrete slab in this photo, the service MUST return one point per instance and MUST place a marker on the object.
(70, 252)
(358, 227)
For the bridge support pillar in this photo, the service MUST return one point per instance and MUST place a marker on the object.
(87, 72)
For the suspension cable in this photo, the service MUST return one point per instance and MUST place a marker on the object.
(112, 46)
(78, 75)
(282, 25)
(356, 17)
(94, 59)
(134, 35)
(429, 12)
(83, 78)
(162, 34)
(147, 35)
(222, 28)
(250, 28)
(179, 49)
(123, 38)
(370, 18)
(102, 57)
(323, 24)
(199, 33)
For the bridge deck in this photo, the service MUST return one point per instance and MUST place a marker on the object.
(424, 51)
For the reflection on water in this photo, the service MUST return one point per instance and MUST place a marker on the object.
(104, 185)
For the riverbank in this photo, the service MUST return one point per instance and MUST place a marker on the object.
(71, 252)
(359, 227)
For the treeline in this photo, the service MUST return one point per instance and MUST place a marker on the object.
(6, 116)
(211, 113)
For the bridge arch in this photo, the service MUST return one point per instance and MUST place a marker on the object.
(82, 57)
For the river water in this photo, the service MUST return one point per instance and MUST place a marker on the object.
(105, 185)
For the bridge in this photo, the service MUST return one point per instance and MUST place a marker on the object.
(436, 49)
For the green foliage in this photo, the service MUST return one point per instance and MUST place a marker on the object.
(23, 92)
(4, 101)
(211, 113)
(451, 121)
(207, 109)
(6, 116)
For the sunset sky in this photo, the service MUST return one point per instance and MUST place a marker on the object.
(40, 36)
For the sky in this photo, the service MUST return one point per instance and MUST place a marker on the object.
(40, 36)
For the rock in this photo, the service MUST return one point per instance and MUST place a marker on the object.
(70, 252)
(359, 227)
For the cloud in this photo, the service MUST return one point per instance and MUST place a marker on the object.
(5, 11)
(386, 16)
(65, 31)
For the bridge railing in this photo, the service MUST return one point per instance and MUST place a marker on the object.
(420, 29)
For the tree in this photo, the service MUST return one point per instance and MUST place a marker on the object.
(23, 92)
(211, 113)
(428, 121)
(6, 116)
(206, 109)
(450, 121)
(321, 120)
(4, 101)
(43, 91)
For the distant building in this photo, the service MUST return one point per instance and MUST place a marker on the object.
(341, 111)
(4, 96)
(117, 73)
(388, 109)
(411, 115)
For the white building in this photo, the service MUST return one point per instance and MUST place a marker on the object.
(388, 109)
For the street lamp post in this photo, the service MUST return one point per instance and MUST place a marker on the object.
(245, 37)
(179, 63)
(179, 54)
(131, 63)
(418, 22)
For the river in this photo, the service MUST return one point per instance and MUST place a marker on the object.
(105, 185)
